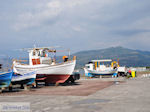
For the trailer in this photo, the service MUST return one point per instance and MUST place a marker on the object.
(122, 71)
(73, 77)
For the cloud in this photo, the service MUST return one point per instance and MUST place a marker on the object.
(130, 32)
(45, 12)
(77, 24)
(142, 24)
(77, 28)
(35, 19)
(139, 41)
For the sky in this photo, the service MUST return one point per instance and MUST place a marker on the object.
(75, 24)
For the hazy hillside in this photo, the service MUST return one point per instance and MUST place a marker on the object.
(127, 57)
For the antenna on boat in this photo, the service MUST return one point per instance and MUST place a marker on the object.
(69, 52)
(34, 46)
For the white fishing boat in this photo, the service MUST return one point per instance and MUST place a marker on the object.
(99, 67)
(41, 62)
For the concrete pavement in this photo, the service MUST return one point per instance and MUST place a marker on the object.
(130, 96)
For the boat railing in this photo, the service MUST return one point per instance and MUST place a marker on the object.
(73, 59)
(21, 61)
(70, 60)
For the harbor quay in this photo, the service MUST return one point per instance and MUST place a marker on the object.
(86, 95)
(74, 56)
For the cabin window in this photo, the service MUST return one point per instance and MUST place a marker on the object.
(88, 66)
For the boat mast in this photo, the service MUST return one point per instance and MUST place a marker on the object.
(30, 57)
(69, 53)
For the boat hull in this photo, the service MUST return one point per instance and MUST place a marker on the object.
(26, 81)
(92, 73)
(58, 73)
(5, 79)
(27, 78)
(55, 78)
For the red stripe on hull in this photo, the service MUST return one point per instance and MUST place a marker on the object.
(57, 78)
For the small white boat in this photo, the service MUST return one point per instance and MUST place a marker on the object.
(98, 67)
(27, 78)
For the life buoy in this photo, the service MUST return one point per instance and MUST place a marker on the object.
(114, 63)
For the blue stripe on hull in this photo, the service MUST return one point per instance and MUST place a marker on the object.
(88, 75)
(5, 79)
(31, 81)
(102, 74)
(92, 75)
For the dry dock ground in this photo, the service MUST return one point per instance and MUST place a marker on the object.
(88, 95)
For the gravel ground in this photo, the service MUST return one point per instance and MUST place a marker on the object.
(80, 88)
(130, 96)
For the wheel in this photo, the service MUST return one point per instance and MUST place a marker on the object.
(72, 81)
(67, 81)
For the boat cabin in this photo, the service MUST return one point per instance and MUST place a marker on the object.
(41, 56)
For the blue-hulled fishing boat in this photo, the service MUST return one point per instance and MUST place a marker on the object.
(26, 78)
(5, 79)
(98, 68)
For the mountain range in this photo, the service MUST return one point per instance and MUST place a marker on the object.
(127, 57)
